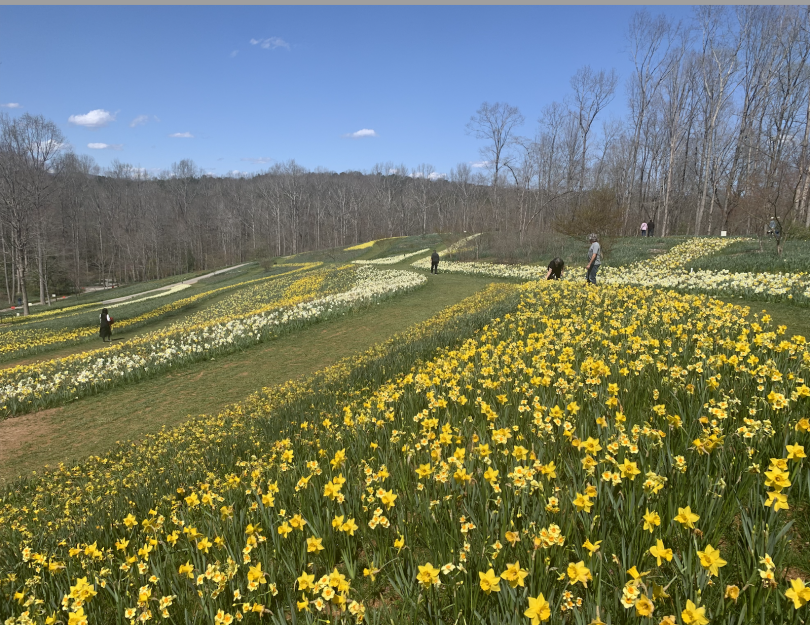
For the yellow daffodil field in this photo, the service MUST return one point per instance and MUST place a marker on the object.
(537, 453)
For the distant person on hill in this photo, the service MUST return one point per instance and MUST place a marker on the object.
(555, 269)
(650, 228)
(105, 325)
(594, 259)
(644, 229)
(434, 262)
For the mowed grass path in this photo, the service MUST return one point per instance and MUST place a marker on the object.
(93, 425)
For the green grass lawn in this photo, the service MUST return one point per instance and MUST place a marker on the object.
(406, 245)
(382, 248)
(617, 251)
(623, 251)
(758, 256)
(52, 436)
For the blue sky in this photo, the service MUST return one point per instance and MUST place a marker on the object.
(245, 86)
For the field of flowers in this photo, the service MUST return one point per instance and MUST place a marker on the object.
(251, 316)
(572, 456)
(672, 271)
(390, 260)
(668, 271)
(293, 286)
(53, 329)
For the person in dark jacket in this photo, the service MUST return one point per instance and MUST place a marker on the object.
(434, 262)
(555, 269)
(105, 325)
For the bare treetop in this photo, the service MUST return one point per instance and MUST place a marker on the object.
(496, 124)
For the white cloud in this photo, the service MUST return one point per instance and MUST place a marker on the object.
(182, 135)
(105, 146)
(51, 146)
(96, 118)
(234, 53)
(393, 170)
(431, 176)
(360, 134)
(478, 164)
(11, 105)
(140, 120)
(261, 160)
(271, 43)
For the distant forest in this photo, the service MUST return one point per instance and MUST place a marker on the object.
(715, 138)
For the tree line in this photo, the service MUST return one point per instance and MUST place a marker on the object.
(715, 139)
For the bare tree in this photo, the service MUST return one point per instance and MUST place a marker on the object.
(28, 149)
(757, 65)
(803, 183)
(593, 91)
(718, 64)
(649, 42)
(420, 189)
(496, 124)
(675, 109)
(789, 90)
(461, 179)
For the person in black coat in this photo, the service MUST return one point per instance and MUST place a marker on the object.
(434, 262)
(105, 325)
(555, 269)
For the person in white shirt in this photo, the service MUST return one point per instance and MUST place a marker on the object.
(594, 258)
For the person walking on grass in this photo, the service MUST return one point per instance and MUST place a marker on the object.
(434, 262)
(105, 325)
(555, 269)
(594, 259)
(644, 229)
(651, 228)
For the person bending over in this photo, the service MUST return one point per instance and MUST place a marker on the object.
(555, 269)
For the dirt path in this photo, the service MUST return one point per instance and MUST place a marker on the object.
(117, 300)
